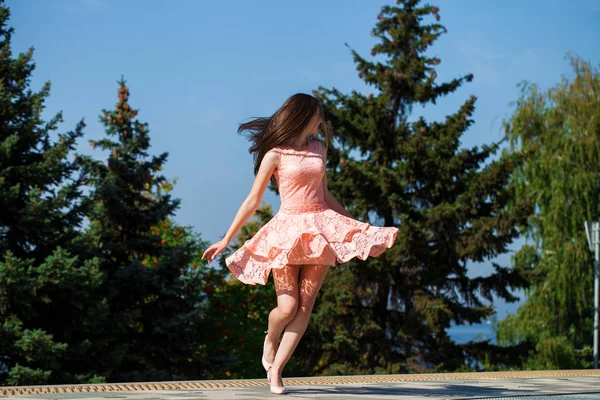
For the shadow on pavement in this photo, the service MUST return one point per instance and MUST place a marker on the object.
(449, 390)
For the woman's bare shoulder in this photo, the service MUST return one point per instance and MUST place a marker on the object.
(273, 155)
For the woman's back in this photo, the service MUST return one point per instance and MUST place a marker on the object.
(300, 178)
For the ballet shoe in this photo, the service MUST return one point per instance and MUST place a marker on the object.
(265, 363)
(274, 389)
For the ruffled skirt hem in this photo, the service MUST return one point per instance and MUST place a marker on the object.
(316, 238)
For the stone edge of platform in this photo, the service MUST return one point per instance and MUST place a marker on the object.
(320, 380)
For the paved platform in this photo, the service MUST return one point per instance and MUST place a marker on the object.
(531, 385)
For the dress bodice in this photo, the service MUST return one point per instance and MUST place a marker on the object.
(300, 178)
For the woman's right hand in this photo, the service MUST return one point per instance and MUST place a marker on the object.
(211, 253)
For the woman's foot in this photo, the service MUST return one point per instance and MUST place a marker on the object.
(276, 385)
(269, 351)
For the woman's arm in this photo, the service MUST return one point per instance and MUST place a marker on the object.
(252, 202)
(268, 164)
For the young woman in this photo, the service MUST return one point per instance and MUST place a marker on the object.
(309, 233)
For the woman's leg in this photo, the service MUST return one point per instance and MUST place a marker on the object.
(286, 287)
(311, 280)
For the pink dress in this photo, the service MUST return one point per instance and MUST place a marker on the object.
(305, 230)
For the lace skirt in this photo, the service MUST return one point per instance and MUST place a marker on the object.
(314, 235)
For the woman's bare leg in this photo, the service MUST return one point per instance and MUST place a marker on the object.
(286, 287)
(311, 280)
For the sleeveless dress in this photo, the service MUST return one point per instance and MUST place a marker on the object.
(305, 230)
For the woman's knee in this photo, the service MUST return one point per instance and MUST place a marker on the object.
(288, 310)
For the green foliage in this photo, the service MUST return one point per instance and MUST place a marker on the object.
(391, 314)
(47, 303)
(152, 268)
(559, 131)
(121, 300)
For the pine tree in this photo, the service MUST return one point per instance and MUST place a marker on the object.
(48, 309)
(559, 130)
(154, 275)
(391, 314)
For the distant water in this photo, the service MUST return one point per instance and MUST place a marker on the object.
(476, 332)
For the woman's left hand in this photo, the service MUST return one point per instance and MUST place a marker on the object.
(211, 253)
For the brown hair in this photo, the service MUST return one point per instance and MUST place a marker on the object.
(287, 123)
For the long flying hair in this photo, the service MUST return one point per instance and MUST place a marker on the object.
(284, 126)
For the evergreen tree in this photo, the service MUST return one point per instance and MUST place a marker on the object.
(153, 273)
(390, 314)
(48, 309)
(559, 130)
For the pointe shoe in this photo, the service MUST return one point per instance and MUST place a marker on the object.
(274, 389)
(265, 363)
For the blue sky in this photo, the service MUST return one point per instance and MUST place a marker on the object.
(197, 68)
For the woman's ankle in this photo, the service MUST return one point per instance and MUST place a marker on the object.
(276, 369)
